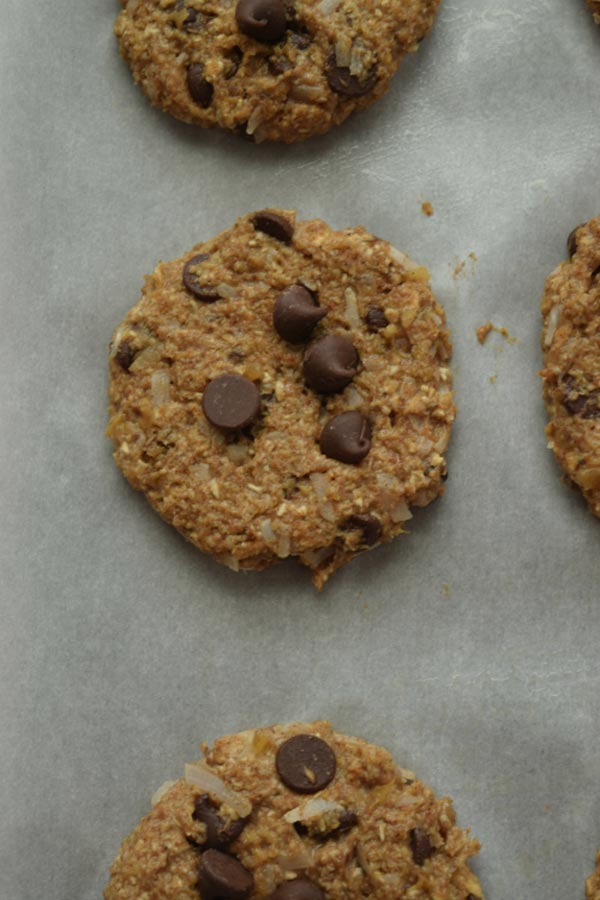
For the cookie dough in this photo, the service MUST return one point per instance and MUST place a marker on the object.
(296, 812)
(283, 390)
(271, 69)
(594, 5)
(592, 885)
(571, 350)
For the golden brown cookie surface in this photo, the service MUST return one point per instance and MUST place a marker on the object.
(238, 818)
(271, 69)
(257, 448)
(571, 349)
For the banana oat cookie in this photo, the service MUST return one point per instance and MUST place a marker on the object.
(273, 69)
(592, 885)
(571, 373)
(296, 812)
(283, 390)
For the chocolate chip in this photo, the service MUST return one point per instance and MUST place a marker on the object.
(279, 65)
(298, 889)
(595, 273)
(274, 225)
(473, 897)
(376, 318)
(305, 763)
(369, 525)
(346, 437)
(330, 364)
(296, 313)
(420, 846)
(299, 40)
(342, 82)
(200, 89)
(585, 405)
(231, 402)
(572, 242)
(195, 21)
(219, 832)
(125, 355)
(235, 57)
(191, 280)
(263, 20)
(222, 877)
(347, 820)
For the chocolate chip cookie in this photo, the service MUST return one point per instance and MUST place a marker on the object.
(271, 69)
(592, 885)
(594, 5)
(283, 390)
(571, 373)
(296, 812)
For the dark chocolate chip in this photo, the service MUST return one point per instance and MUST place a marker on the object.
(298, 889)
(420, 846)
(263, 20)
(195, 21)
(585, 405)
(274, 225)
(347, 820)
(222, 877)
(346, 437)
(278, 65)
(473, 897)
(235, 57)
(572, 242)
(330, 364)
(200, 89)
(219, 832)
(125, 355)
(369, 525)
(595, 273)
(191, 280)
(342, 82)
(376, 318)
(305, 763)
(231, 402)
(296, 313)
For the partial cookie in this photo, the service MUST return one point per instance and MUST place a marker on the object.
(571, 349)
(592, 885)
(283, 390)
(594, 5)
(271, 69)
(296, 812)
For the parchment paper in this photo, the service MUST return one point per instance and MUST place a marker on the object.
(470, 647)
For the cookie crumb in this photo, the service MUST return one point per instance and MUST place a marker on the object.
(492, 378)
(427, 208)
(446, 591)
(483, 331)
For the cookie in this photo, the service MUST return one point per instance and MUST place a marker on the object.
(283, 390)
(592, 885)
(296, 812)
(594, 5)
(271, 69)
(571, 350)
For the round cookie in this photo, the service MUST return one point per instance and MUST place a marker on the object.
(258, 447)
(594, 5)
(592, 885)
(571, 350)
(271, 69)
(239, 826)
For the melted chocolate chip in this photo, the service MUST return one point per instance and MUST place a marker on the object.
(369, 525)
(263, 20)
(222, 877)
(376, 318)
(274, 225)
(219, 832)
(191, 280)
(296, 313)
(298, 889)
(201, 90)
(305, 763)
(346, 437)
(572, 242)
(231, 402)
(125, 355)
(342, 82)
(420, 846)
(330, 364)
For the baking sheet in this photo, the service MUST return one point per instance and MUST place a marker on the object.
(469, 648)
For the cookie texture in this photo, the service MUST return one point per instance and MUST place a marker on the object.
(571, 350)
(373, 831)
(594, 5)
(592, 885)
(270, 69)
(259, 448)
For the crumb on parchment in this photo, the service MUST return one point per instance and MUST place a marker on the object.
(483, 331)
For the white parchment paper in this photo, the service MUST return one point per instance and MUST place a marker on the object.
(469, 648)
